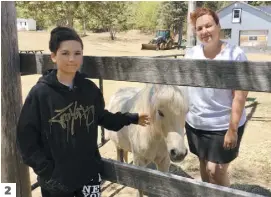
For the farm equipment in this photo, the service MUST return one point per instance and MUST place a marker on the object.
(162, 41)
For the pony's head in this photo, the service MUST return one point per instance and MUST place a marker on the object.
(168, 108)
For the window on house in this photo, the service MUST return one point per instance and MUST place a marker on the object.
(25, 23)
(236, 15)
(225, 34)
(252, 38)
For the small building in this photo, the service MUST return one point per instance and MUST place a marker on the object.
(26, 24)
(246, 26)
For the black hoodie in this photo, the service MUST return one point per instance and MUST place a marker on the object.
(58, 128)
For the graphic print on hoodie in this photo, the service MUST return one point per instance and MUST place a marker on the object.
(58, 129)
(73, 112)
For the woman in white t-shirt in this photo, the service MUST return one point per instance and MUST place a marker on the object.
(216, 118)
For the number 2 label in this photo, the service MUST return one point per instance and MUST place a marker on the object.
(8, 190)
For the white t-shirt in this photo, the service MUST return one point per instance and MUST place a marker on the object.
(209, 108)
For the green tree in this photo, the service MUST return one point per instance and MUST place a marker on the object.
(213, 5)
(146, 15)
(35, 10)
(110, 15)
(172, 14)
(84, 14)
(259, 3)
(49, 13)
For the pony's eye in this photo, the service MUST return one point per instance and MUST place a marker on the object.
(160, 113)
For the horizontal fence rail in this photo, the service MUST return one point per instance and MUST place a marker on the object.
(165, 184)
(251, 76)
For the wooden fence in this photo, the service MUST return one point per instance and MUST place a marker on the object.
(251, 76)
(158, 184)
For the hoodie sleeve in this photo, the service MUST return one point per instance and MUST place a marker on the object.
(114, 121)
(29, 138)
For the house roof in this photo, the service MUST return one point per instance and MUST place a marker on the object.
(24, 19)
(264, 9)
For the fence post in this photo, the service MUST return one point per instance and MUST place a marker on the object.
(12, 168)
(102, 129)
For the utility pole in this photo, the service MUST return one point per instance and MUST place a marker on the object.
(190, 34)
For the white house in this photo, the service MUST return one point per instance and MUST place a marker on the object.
(26, 24)
(245, 25)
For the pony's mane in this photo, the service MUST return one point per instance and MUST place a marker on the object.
(170, 97)
(153, 96)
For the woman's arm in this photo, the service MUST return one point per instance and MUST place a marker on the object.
(238, 104)
(239, 100)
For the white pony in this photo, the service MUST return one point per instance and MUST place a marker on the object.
(163, 139)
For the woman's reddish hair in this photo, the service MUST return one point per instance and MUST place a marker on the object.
(203, 11)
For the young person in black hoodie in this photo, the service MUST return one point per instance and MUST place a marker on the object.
(58, 126)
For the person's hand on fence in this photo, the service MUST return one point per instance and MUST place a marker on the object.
(143, 119)
(230, 139)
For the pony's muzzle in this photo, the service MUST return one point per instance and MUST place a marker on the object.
(177, 156)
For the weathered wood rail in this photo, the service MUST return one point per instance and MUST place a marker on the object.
(161, 184)
(31, 51)
(251, 76)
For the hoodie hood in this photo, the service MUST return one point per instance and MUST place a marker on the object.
(49, 77)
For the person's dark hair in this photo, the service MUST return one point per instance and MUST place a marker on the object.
(200, 12)
(60, 34)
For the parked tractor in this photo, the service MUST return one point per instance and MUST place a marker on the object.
(162, 41)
